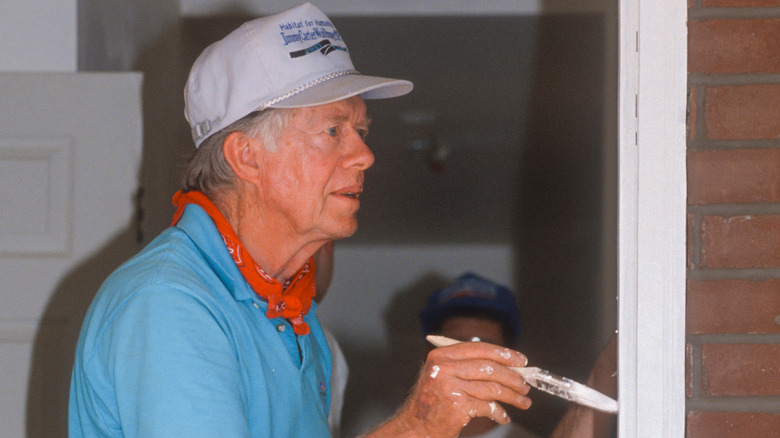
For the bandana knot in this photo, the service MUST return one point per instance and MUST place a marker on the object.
(291, 300)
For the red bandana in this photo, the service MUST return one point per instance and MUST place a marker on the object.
(291, 300)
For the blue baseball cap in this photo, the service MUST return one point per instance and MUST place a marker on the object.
(471, 293)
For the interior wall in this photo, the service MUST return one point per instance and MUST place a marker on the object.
(561, 207)
(372, 308)
(525, 130)
(195, 8)
(144, 36)
(38, 36)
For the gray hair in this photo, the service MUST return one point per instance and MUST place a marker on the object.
(208, 171)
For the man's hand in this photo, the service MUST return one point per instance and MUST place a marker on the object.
(456, 384)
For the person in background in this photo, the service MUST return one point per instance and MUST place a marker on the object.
(473, 308)
(339, 372)
(211, 330)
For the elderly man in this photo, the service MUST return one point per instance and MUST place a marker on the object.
(211, 330)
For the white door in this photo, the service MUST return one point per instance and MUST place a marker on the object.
(70, 154)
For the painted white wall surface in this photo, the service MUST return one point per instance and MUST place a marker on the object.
(396, 7)
(38, 35)
(70, 150)
(144, 36)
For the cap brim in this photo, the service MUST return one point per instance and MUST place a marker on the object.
(343, 87)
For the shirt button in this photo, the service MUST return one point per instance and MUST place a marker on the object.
(280, 327)
(256, 306)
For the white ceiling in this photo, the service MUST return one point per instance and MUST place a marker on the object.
(397, 7)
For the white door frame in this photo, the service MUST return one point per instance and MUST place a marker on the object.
(652, 217)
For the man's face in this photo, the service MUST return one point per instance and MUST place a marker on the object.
(312, 181)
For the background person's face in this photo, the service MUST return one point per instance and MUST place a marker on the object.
(312, 181)
(464, 328)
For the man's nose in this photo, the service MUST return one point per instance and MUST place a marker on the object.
(360, 155)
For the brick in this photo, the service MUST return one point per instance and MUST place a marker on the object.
(734, 176)
(740, 242)
(732, 306)
(732, 425)
(690, 223)
(688, 371)
(742, 112)
(693, 112)
(734, 46)
(740, 369)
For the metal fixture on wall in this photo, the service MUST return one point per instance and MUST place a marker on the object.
(435, 151)
(426, 142)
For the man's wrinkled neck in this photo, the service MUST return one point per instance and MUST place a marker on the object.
(278, 255)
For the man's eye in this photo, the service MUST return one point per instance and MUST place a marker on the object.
(332, 131)
(363, 133)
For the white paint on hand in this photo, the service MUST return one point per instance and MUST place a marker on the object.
(435, 371)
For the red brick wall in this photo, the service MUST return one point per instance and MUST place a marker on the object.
(733, 297)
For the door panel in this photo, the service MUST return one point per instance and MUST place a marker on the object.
(70, 151)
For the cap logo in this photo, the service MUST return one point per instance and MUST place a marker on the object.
(323, 46)
(308, 30)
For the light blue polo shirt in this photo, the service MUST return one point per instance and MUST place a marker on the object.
(176, 344)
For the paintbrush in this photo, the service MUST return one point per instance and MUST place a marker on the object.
(548, 382)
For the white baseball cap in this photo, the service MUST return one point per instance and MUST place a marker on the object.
(293, 59)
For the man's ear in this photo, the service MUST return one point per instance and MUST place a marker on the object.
(239, 150)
